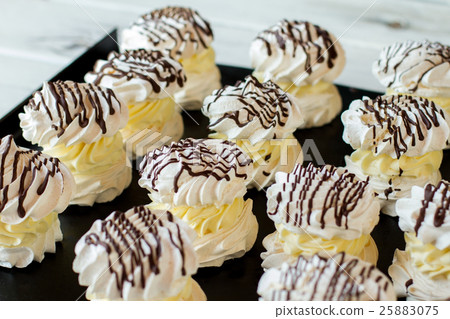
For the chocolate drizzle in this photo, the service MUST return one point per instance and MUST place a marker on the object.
(408, 283)
(196, 158)
(74, 101)
(170, 28)
(417, 115)
(265, 102)
(28, 168)
(343, 192)
(441, 203)
(341, 278)
(134, 243)
(150, 66)
(315, 42)
(396, 58)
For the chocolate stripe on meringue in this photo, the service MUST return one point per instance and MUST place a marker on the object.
(72, 103)
(27, 172)
(395, 58)
(133, 241)
(342, 196)
(191, 153)
(416, 114)
(442, 207)
(305, 36)
(341, 278)
(268, 103)
(161, 24)
(141, 64)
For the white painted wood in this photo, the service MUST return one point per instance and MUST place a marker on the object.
(39, 37)
(22, 76)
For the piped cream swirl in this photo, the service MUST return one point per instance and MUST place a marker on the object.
(426, 212)
(415, 67)
(66, 112)
(101, 170)
(196, 172)
(328, 202)
(138, 75)
(252, 110)
(396, 125)
(298, 52)
(136, 255)
(32, 184)
(176, 31)
(339, 278)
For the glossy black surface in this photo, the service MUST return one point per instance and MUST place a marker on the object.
(53, 279)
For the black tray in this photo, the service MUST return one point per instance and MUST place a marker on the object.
(53, 279)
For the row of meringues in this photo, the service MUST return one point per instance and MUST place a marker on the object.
(150, 252)
(398, 142)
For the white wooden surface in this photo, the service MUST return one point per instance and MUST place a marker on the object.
(40, 37)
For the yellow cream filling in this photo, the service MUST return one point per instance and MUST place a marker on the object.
(25, 233)
(320, 87)
(184, 295)
(427, 258)
(265, 151)
(152, 114)
(199, 63)
(443, 102)
(91, 159)
(208, 219)
(299, 244)
(387, 167)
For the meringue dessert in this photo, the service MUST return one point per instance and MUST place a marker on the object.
(260, 118)
(34, 189)
(185, 36)
(320, 210)
(419, 68)
(398, 142)
(145, 82)
(341, 277)
(422, 270)
(203, 182)
(304, 60)
(79, 124)
(138, 255)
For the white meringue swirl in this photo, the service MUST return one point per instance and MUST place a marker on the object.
(196, 172)
(69, 113)
(136, 255)
(327, 202)
(32, 184)
(138, 75)
(415, 67)
(177, 31)
(426, 212)
(396, 125)
(340, 278)
(252, 110)
(298, 52)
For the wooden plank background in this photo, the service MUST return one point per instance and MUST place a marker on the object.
(39, 37)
